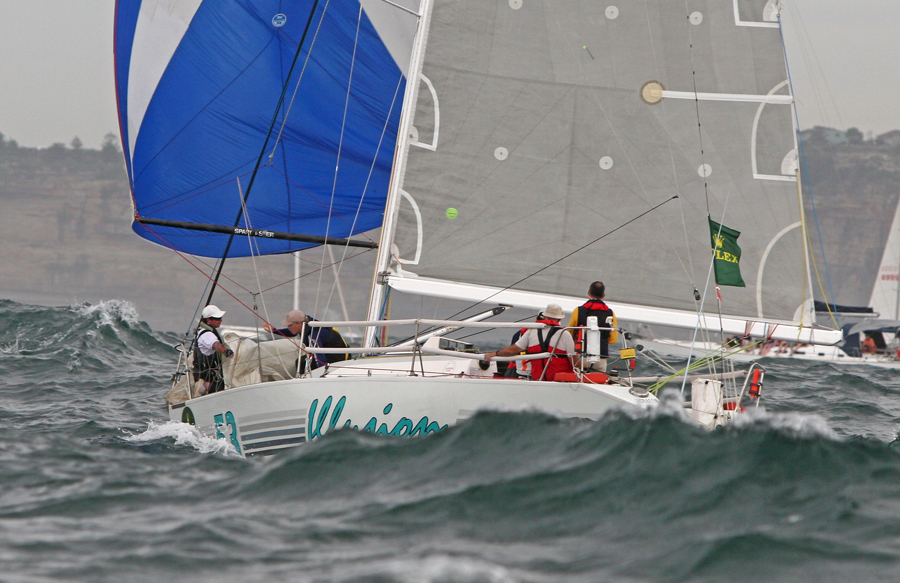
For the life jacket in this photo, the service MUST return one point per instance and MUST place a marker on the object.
(208, 367)
(602, 311)
(559, 361)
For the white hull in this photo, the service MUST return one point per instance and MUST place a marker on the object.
(266, 417)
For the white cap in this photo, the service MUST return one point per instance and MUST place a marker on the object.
(212, 311)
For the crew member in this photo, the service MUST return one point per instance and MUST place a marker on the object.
(595, 306)
(554, 340)
(868, 345)
(209, 350)
(317, 337)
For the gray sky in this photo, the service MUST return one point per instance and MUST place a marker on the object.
(56, 70)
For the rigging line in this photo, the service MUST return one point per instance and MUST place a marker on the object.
(687, 22)
(700, 317)
(812, 201)
(810, 57)
(564, 257)
(337, 163)
(251, 243)
(262, 151)
(705, 188)
(312, 196)
(287, 112)
(166, 243)
(606, 117)
(689, 272)
(631, 165)
(192, 327)
(174, 248)
(225, 178)
(483, 330)
(369, 176)
(311, 272)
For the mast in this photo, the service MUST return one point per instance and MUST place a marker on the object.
(382, 262)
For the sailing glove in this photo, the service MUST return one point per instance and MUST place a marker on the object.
(229, 353)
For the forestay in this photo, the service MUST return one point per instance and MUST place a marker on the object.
(541, 126)
(198, 84)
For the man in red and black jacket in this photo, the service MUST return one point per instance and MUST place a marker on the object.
(595, 306)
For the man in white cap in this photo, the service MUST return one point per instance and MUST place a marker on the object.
(209, 350)
(321, 337)
(558, 342)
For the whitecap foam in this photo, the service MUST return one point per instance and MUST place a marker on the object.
(109, 312)
(670, 404)
(799, 425)
(11, 348)
(184, 434)
(442, 568)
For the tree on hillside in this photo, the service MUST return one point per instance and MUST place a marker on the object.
(854, 136)
(110, 144)
(76, 143)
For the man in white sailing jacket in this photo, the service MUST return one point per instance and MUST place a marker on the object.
(209, 349)
(558, 342)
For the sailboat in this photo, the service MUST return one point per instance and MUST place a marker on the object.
(511, 152)
(880, 320)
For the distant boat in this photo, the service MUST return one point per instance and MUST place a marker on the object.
(542, 146)
(880, 320)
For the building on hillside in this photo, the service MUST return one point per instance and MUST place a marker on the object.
(891, 138)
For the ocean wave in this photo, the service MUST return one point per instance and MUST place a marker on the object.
(109, 312)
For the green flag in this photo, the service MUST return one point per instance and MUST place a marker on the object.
(727, 254)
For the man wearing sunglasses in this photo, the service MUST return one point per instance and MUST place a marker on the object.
(209, 351)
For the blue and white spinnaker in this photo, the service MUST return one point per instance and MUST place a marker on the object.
(198, 85)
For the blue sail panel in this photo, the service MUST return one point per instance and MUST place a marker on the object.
(198, 86)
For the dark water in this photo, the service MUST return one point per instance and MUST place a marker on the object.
(96, 485)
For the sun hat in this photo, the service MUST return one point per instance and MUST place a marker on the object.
(554, 312)
(212, 311)
(294, 317)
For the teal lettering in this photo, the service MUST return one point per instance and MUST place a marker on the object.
(220, 421)
(314, 426)
(400, 426)
(423, 427)
(229, 419)
(338, 409)
(403, 428)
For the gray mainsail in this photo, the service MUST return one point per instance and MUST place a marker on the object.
(541, 126)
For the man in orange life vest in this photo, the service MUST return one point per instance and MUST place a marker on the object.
(605, 319)
(554, 340)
